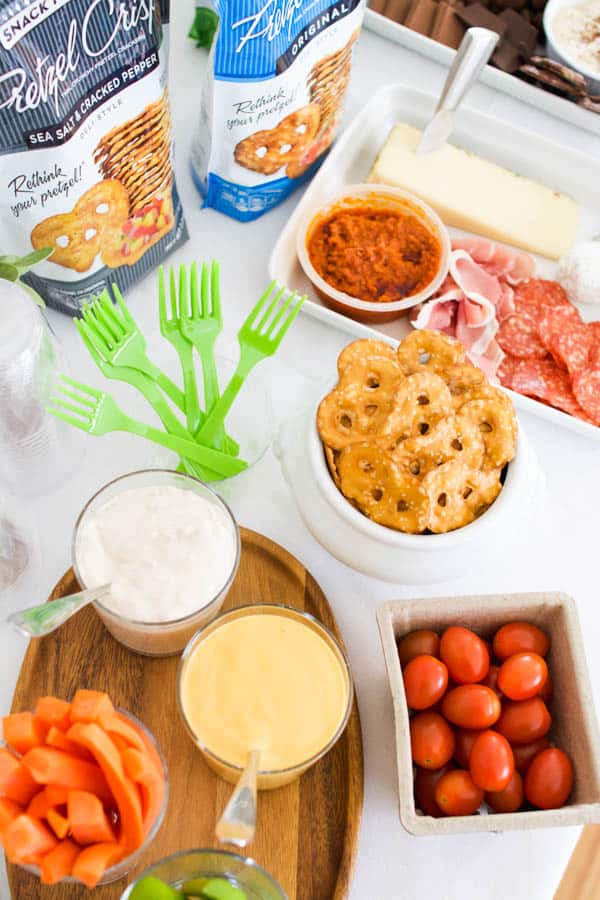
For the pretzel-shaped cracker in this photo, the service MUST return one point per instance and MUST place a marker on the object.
(387, 495)
(75, 243)
(430, 351)
(465, 383)
(495, 418)
(459, 495)
(346, 416)
(374, 377)
(104, 205)
(421, 407)
(269, 150)
(365, 348)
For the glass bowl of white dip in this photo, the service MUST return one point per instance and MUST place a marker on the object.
(170, 548)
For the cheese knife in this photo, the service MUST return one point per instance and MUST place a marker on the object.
(475, 50)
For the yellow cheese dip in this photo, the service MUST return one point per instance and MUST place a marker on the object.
(269, 681)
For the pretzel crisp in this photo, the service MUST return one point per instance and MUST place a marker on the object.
(270, 150)
(417, 439)
(76, 243)
(104, 205)
(429, 350)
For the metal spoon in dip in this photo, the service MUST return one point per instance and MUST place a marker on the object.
(238, 821)
(38, 621)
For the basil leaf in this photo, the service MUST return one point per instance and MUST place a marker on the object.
(204, 27)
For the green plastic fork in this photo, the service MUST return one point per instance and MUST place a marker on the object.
(171, 331)
(147, 387)
(201, 323)
(259, 337)
(123, 343)
(98, 413)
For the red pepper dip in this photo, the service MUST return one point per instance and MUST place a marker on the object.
(374, 254)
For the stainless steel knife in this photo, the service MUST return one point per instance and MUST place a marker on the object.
(475, 49)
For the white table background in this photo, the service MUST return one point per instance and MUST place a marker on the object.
(561, 554)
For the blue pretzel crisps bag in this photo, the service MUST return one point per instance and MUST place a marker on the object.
(272, 99)
(85, 143)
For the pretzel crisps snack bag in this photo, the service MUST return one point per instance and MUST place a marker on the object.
(85, 143)
(271, 102)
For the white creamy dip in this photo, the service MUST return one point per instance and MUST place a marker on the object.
(167, 552)
(576, 31)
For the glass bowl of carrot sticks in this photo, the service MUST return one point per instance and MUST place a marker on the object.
(83, 789)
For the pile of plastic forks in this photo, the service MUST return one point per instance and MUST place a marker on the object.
(190, 319)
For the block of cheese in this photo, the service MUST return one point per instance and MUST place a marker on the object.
(471, 193)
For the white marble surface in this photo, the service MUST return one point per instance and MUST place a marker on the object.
(561, 554)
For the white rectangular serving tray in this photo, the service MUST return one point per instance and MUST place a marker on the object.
(350, 161)
(492, 77)
(574, 724)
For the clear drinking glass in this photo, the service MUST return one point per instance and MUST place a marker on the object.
(37, 451)
(241, 872)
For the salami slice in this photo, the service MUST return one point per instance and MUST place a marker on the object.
(533, 295)
(553, 320)
(571, 347)
(543, 380)
(586, 386)
(518, 335)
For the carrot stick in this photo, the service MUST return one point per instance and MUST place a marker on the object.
(16, 782)
(88, 706)
(93, 861)
(88, 822)
(52, 711)
(125, 792)
(58, 739)
(49, 766)
(22, 731)
(116, 726)
(58, 864)
(9, 810)
(26, 839)
(58, 824)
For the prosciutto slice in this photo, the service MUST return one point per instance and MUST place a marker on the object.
(512, 266)
(476, 297)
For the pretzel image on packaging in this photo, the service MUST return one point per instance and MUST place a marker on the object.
(272, 99)
(85, 144)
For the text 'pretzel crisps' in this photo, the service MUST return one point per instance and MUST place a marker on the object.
(416, 439)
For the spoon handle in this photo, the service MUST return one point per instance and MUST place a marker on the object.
(238, 821)
(38, 621)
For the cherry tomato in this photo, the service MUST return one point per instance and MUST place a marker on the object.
(524, 753)
(491, 680)
(549, 779)
(464, 740)
(425, 782)
(472, 706)
(491, 763)
(425, 680)
(456, 795)
(465, 654)
(522, 676)
(520, 637)
(524, 721)
(508, 800)
(418, 643)
(431, 740)
(547, 691)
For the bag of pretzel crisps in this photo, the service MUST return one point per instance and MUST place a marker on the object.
(271, 102)
(85, 144)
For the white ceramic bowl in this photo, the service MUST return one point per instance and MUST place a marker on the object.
(383, 196)
(391, 555)
(556, 52)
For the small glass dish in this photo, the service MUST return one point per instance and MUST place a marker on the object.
(165, 638)
(268, 779)
(113, 873)
(241, 872)
(381, 197)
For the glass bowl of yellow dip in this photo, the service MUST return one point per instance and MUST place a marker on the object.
(267, 677)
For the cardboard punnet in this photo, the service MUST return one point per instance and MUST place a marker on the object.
(574, 725)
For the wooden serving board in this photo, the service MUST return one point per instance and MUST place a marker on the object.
(307, 832)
